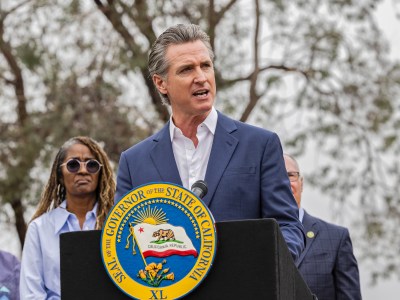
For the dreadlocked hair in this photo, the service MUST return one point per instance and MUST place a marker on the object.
(54, 192)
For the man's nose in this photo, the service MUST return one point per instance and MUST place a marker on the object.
(200, 77)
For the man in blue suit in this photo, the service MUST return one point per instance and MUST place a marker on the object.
(242, 164)
(327, 264)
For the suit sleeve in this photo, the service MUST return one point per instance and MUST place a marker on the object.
(346, 275)
(277, 197)
(124, 183)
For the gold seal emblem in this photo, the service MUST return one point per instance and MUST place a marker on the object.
(158, 242)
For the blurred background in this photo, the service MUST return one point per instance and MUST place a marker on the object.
(323, 74)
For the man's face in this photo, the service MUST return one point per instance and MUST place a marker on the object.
(190, 80)
(296, 181)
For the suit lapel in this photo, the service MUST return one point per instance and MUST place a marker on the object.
(310, 227)
(223, 147)
(163, 157)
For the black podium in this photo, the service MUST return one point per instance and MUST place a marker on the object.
(252, 262)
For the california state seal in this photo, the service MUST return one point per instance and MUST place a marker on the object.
(158, 242)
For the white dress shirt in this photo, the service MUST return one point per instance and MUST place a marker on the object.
(192, 161)
(301, 214)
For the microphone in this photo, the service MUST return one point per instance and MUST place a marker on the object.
(199, 188)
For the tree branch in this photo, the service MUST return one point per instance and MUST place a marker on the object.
(114, 17)
(254, 96)
(20, 223)
(223, 10)
(18, 82)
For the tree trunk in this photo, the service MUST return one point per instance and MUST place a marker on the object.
(20, 223)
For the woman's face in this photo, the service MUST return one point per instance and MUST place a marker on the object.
(81, 183)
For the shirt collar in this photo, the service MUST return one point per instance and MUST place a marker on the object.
(301, 214)
(61, 215)
(210, 122)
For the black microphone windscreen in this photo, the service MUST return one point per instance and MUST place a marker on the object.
(199, 188)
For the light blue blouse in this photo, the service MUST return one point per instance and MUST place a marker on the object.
(40, 264)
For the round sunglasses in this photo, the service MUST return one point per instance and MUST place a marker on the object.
(74, 165)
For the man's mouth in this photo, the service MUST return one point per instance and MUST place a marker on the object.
(201, 93)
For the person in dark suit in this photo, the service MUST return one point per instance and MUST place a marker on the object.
(327, 264)
(242, 164)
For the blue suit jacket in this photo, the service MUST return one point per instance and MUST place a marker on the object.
(327, 264)
(246, 175)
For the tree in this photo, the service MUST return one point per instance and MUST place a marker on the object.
(318, 72)
(68, 96)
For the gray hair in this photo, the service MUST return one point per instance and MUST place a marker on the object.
(294, 161)
(175, 35)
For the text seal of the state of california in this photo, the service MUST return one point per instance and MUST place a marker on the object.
(158, 242)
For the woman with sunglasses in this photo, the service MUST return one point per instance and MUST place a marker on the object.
(78, 196)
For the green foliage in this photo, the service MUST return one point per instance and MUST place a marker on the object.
(29, 56)
(75, 7)
(273, 80)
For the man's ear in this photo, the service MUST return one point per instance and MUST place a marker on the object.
(301, 184)
(160, 84)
